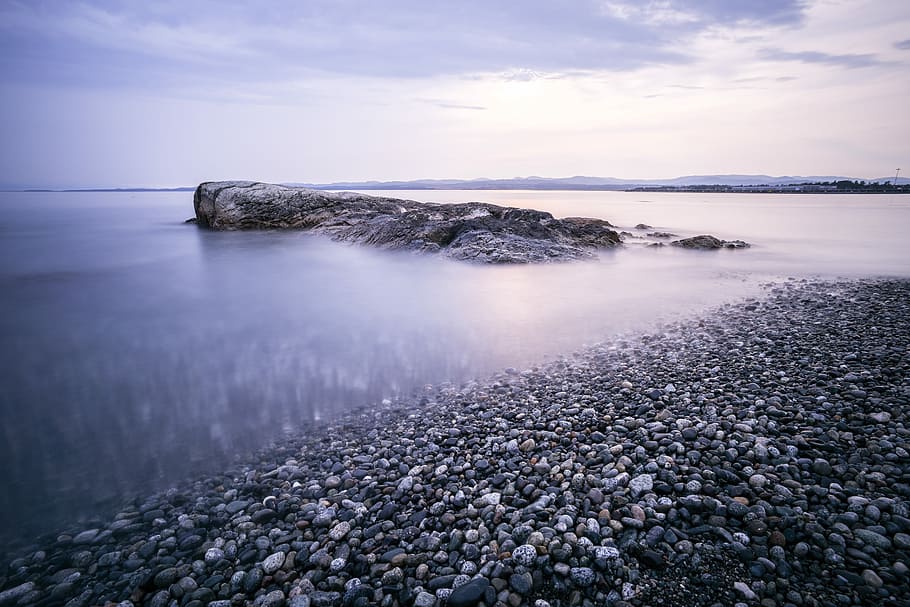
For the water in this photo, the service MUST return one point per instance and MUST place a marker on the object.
(139, 351)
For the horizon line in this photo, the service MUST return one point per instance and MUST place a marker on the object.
(373, 183)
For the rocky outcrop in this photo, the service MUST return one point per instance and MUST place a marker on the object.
(472, 231)
(708, 242)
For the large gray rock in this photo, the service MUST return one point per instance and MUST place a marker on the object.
(472, 231)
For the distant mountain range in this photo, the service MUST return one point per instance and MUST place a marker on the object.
(525, 183)
(580, 182)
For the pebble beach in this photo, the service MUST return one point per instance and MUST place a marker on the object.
(756, 455)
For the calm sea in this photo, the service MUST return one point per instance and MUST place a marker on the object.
(139, 351)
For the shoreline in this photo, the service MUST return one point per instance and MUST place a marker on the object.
(757, 453)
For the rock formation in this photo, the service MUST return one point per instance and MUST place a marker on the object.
(472, 231)
(708, 242)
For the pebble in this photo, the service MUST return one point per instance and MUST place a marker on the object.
(872, 578)
(469, 594)
(339, 531)
(525, 555)
(743, 589)
(86, 537)
(213, 555)
(582, 576)
(641, 484)
(273, 563)
(424, 599)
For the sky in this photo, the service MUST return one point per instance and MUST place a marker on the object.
(175, 92)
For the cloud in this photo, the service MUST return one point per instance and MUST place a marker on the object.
(851, 61)
(520, 75)
(704, 12)
(458, 106)
(178, 44)
(449, 105)
(903, 45)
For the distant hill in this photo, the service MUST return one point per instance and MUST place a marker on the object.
(580, 182)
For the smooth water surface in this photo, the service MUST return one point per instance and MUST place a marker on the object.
(139, 351)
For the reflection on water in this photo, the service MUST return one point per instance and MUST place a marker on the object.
(139, 351)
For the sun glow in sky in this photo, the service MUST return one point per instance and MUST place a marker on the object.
(117, 93)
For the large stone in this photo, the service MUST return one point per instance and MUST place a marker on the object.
(472, 231)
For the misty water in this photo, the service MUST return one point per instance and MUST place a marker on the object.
(139, 351)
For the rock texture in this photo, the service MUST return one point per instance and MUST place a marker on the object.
(708, 242)
(472, 231)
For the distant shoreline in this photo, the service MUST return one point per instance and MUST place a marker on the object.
(761, 190)
(706, 189)
(724, 183)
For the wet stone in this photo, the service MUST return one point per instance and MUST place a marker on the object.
(469, 594)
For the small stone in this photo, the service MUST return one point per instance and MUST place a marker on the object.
(322, 598)
(393, 577)
(424, 599)
(743, 589)
(273, 599)
(213, 555)
(871, 538)
(582, 576)
(606, 552)
(882, 417)
(166, 577)
(266, 515)
(776, 538)
(109, 559)
(273, 563)
(86, 537)
(526, 446)
(340, 530)
(332, 482)
(521, 582)
(641, 484)
(491, 499)
(525, 555)
(821, 467)
(469, 594)
(236, 506)
(872, 578)
(14, 594)
(758, 481)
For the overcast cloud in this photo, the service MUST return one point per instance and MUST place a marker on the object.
(172, 93)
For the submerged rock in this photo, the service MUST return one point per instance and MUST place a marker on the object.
(708, 242)
(472, 231)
